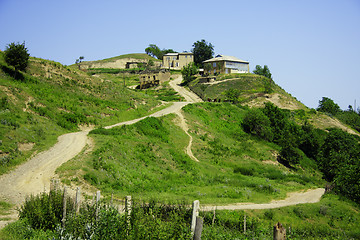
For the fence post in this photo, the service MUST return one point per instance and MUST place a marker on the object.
(77, 200)
(64, 208)
(279, 232)
(128, 212)
(97, 204)
(244, 223)
(195, 206)
(213, 220)
(198, 228)
(54, 184)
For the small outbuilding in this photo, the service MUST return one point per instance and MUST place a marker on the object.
(225, 64)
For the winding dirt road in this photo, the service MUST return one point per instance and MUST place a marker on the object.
(33, 177)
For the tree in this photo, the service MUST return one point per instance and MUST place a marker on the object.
(257, 123)
(188, 73)
(290, 155)
(329, 106)
(155, 51)
(79, 60)
(202, 51)
(263, 71)
(17, 55)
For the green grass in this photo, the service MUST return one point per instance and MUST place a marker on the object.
(250, 87)
(131, 55)
(147, 160)
(4, 208)
(164, 93)
(331, 218)
(51, 99)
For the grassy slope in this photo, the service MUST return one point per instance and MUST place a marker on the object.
(131, 55)
(131, 160)
(151, 163)
(251, 87)
(51, 99)
(331, 218)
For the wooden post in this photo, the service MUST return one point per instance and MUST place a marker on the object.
(128, 212)
(77, 200)
(279, 232)
(195, 206)
(54, 184)
(97, 204)
(64, 208)
(198, 228)
(213, 220)
(244, 223)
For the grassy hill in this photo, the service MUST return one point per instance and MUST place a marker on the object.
(147, 159)
(51, 99)
(119, 62)
(251, 88)
(142, 56)
(252, 93)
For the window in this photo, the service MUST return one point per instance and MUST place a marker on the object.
(214, 64)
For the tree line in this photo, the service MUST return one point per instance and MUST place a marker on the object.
(335, 152)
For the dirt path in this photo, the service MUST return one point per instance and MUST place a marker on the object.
(189, 96)
(33, 177)
(294, 198)
(185, 127)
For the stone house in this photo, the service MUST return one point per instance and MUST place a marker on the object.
(225, 64)
(153, 78)
(177, 61)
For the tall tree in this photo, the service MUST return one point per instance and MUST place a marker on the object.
(188, 73)
(202, 51)
(329, 106)
(154, 51)
(78, 61)
(17, 55)
(263, 71)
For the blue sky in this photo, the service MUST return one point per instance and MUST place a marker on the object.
(311, 47)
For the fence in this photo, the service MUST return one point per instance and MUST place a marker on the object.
(279, 232)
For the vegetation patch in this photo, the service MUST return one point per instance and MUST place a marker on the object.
(50, 99)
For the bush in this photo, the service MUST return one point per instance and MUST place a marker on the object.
(290, 155)
(188, 73)
(257, 123)
(17, 56)
(44, 211)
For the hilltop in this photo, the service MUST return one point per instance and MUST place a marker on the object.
(121, 62)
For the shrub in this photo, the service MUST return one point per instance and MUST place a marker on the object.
(290, 155)
(44, 211)
(244, 171)
(257, 123)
